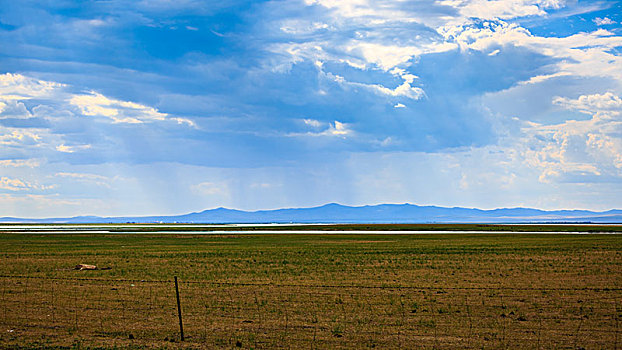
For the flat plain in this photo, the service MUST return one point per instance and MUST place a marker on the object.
(461, 290)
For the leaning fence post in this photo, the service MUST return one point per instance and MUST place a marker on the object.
(181, 325)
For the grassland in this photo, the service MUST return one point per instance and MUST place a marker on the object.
(312, 291)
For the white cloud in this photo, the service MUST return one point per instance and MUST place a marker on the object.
(354, 8)
(14, 109)
(19, 87)
(603, 21)
(186, 121)
(376, 40)
(503, 9)
(52, 104)
(358, 53)
(544, 77)
(87, 26)
(583, 54)
(15, 163)
(386, 40)
(592, 103)
(95, 104)
(298, 27)
(334, 129)
(16, 87)
(365, 38)
(560, 151)
(377, 45)
(312, 122)
(19, 137)
(588, 150)
(404, 90)
(384, 56)
(338, 129)
(12, 184)
(379, 49)
(71, 149)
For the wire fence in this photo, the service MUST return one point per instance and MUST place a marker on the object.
(94, 311)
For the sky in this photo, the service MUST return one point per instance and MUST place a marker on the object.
(157, 107)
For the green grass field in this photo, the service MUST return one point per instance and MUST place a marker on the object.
(312, 291)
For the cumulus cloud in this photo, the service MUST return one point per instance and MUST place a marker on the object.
(338, 129)
(315, 81)
(603, 21)
(478, 25)
(355, 8)
(14, 109)
(582, 54)
(592, 104)
(19, 138)
(333, 129)
(403, 90)
(387, 57)
(15, 88)
(579, 150)
(371, 36)
(503, 9)
(378, 26)
(95, 104)
(20, 87)
(365, 35)
(296, 26)
(312, 122)
(54, 106)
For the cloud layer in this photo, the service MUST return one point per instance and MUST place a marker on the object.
(121, 107)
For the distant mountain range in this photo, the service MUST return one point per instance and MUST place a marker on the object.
(336, 213)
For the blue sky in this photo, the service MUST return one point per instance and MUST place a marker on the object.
(165, 107)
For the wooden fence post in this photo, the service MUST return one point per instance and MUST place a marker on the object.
(181, 325)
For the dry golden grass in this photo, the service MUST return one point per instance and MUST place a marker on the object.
(310, 291)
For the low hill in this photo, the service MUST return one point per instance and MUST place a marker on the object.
(336, 213)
